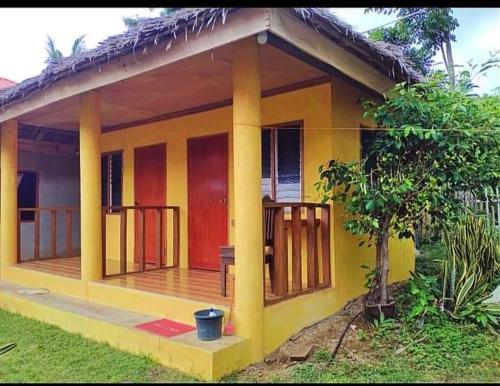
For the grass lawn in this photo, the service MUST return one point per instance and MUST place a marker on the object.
(45, 353)
(449, 352)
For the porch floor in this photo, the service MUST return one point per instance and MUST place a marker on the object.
(194, 284)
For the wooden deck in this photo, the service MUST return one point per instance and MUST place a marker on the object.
(67, 266)
(191, 284)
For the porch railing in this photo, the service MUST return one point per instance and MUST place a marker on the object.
(301, 250)
(54, 216)
(166, 218)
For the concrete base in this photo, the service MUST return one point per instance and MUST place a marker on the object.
(204, 360)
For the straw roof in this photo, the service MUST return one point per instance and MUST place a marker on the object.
(388, 58)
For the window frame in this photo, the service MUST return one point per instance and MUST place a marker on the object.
(273, 150)
(365, 129)
(108, 155)
(37, 191)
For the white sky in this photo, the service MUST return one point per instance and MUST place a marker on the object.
(24, 49)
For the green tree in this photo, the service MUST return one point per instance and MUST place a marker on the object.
(421, 32)
(54, 54)
(132, 21)
(432, 142)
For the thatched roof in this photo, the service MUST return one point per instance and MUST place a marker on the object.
(163, 30)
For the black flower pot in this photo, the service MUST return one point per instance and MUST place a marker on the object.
(373, 311)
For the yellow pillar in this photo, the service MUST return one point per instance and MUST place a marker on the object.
(8, 194)
(249, 302)
(90, 188)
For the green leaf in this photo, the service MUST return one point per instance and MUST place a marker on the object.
(370, 205)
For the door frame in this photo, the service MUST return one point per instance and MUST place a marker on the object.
(190, 139)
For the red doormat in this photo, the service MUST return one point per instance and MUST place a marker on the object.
(165, 327)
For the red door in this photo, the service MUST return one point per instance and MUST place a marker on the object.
(207, 200)
(149, 185)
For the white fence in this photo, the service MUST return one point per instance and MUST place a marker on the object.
(488, 207)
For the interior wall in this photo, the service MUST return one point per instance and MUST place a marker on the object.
(58, 186)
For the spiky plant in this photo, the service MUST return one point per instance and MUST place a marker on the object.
(6, 348)
(471, 269)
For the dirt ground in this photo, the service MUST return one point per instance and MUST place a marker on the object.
(322, 334)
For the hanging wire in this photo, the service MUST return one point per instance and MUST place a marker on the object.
(378, 129)
(395, 20)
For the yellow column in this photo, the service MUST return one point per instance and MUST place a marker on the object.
(8, 194)
(249, 302)
(90, 188)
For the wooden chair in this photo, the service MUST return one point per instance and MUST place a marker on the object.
(226, 252)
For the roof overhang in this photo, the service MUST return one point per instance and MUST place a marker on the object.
(286, 32)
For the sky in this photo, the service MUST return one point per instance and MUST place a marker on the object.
(24, 48)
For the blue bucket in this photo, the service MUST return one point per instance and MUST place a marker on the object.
(209, 324)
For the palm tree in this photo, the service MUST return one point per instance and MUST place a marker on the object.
(54, 54)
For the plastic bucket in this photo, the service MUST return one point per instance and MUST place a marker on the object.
(209, 324)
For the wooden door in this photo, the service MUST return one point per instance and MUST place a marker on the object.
(207, 200)
(150, 189)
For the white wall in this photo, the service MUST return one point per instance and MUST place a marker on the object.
(58, 186)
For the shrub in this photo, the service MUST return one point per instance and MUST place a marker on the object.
(471, 270)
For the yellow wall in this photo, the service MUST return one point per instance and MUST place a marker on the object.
(314, 106)
(308, 105)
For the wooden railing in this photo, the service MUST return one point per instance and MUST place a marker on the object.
(67, 212)
(139, 229)
(310, 266)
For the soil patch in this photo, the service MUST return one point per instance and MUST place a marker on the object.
(324, 334)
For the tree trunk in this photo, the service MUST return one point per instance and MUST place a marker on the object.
(450, 64)
(384, 262)
(376, 284)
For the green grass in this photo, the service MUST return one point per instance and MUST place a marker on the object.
(45, 353)
(450, 353)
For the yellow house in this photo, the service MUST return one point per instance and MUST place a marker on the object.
(134, 162)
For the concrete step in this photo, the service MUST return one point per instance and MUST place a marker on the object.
(116, 326)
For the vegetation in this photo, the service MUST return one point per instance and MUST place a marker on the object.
(433, 142)
(471, 270)
(439, 353)
(54, 54)
(132, 21)
(421, 32)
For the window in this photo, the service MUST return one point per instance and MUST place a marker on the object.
(27, 193)
(367, 138)
(282, 163)
(111, 179)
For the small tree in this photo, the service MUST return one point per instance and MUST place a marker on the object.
(421, 32)
(433, 142)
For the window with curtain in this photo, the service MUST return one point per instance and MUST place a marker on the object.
(111, 175)
(281, 163)
(27, 193)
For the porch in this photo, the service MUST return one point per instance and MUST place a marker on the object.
(300, 241)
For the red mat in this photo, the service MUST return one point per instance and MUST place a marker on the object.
(165, 327)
